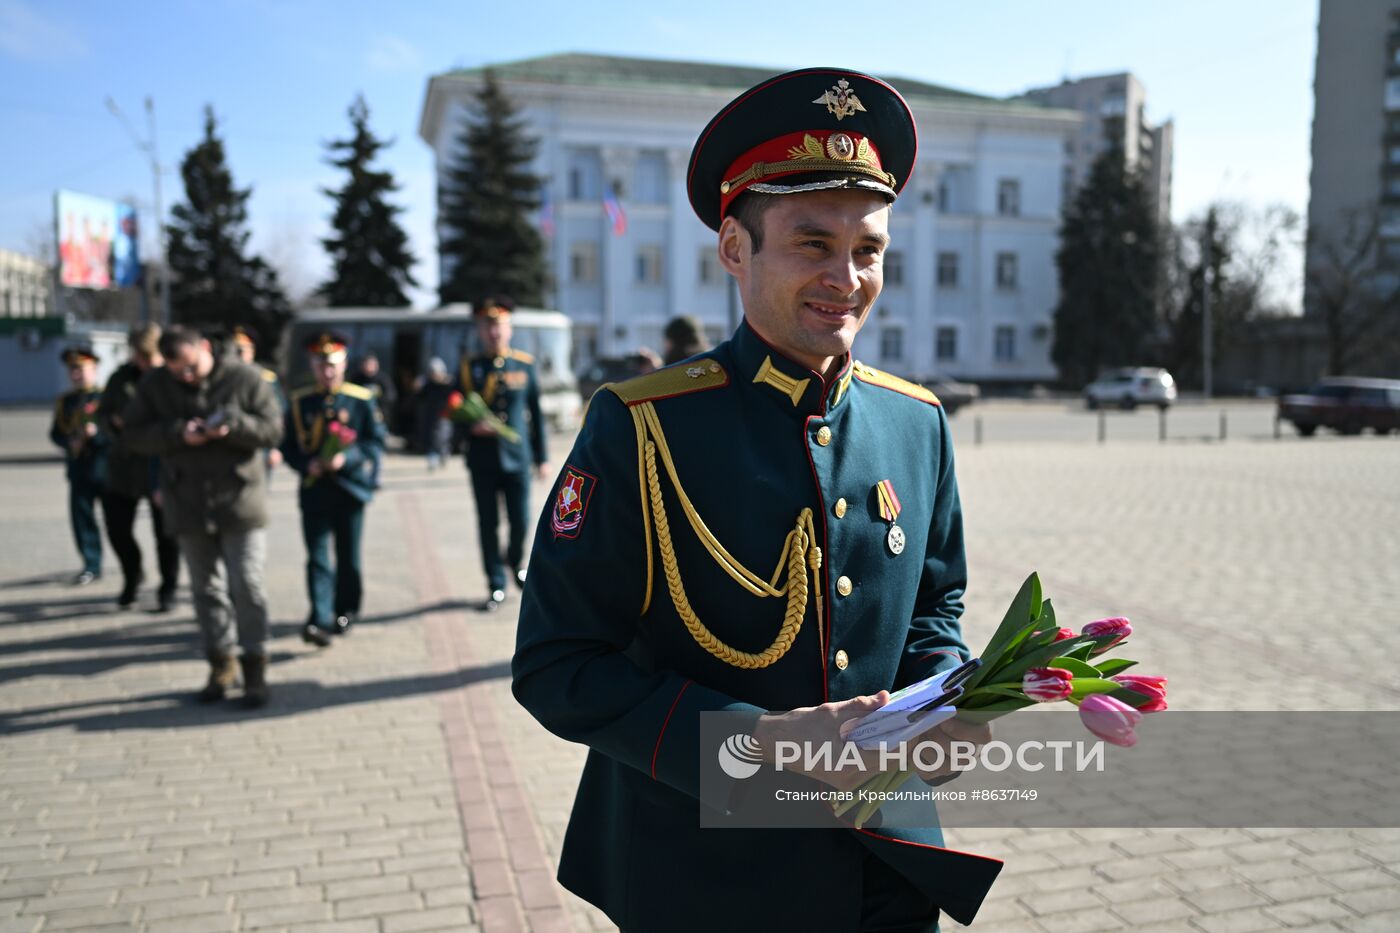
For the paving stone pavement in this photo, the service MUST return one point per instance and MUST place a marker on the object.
(393, 784)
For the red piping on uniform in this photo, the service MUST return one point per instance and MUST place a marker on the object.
(657, 750)
(939, 651)
(925, 845)
(826, 553)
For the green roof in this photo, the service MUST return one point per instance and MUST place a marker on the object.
(579, 68)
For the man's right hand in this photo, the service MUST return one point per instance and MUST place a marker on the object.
(815, 726)
(197, 432)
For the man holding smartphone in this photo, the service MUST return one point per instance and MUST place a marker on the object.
(209, 418)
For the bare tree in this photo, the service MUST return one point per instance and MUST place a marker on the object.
(1354, 293)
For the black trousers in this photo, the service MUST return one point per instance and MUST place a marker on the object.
(120, 512)
(488, 486)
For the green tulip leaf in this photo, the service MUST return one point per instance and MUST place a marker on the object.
(1084, 686)
(1020, 619)
(1114, 666)
(1076, 667)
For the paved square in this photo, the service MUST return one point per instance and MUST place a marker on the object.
(393, 784)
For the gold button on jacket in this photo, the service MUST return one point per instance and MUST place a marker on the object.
(824, 435)
(840, 508)
(843, 586)
(842, 660)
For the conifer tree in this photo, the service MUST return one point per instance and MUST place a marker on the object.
(490, 246)
(215, 284)
(371, 264)
(1107, 262)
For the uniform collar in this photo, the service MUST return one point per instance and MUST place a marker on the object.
(792, 386)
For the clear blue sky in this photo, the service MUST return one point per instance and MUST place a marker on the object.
(1235, 75)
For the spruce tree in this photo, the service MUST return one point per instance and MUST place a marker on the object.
(490, 246)
(370, 260)
(214, 283)
(1107, 263)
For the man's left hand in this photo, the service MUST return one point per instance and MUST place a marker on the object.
(542, 471)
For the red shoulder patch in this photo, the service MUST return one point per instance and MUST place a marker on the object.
(571, 502)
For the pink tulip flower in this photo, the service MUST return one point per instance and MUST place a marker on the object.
(1116, 626)
(1047, 684)
(1148, 686)
(1109, 719)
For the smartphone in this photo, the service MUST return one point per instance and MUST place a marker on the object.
(215, 420)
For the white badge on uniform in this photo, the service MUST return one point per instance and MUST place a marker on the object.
(889, 511)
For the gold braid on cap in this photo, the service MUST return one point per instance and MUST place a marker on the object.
(801, 556)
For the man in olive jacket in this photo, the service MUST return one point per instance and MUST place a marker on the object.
(208, 418)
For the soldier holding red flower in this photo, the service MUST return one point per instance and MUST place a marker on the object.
(74, 429)
(334, 439)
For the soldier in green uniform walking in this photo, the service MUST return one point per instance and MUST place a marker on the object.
(505, 379)
(74, 428)
(334, 438)
(653, 597)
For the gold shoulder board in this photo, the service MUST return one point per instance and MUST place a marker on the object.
(357, 391)
(268, 375)
(521, 355)
(878, 377)
(681, 379)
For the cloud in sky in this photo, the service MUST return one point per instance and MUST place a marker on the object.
(391, 54)
(26, 34)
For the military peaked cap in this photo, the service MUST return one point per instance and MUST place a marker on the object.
(805, 130)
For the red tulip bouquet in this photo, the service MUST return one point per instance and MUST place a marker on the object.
(472, 409)
(1031, 659)
(339, 438)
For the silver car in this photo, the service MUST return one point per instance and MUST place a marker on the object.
(1131, 387)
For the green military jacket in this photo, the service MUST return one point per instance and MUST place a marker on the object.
(70, 411)
(765, 451)
(309, 412)
(511, 389)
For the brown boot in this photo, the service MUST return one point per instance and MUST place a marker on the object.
(223, 673)
(255, 692)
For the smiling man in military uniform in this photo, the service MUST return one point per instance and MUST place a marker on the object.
(653, 596)
(505, 379)
(336, 485)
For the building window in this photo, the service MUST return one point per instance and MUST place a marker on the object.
(1392, 94)
(585, 344)
(891, 344)
(894, 267)
(947, 270)
(945, 345)
(943, 198)
(649, 261)
(1006, 271)
(583, 263)
(1395, 155)
(707, 270)
(1009, 197)
(1005, 343)
(585, 174)
(649, 185)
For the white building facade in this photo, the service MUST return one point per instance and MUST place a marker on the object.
(970, 281)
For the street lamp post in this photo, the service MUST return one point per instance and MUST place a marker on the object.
(148, 146)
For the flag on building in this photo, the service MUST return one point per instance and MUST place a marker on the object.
(613, 209)
(546, 214)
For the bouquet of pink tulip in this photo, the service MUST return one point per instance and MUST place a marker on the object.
(1031, 659)
(339, 438)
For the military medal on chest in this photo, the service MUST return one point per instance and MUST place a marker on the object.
(889, 511)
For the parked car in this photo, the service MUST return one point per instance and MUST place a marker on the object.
(1131, 387)
(1345, 405)
(953, 394)
(610, 369)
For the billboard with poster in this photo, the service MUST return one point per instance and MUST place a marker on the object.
(97, 242)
